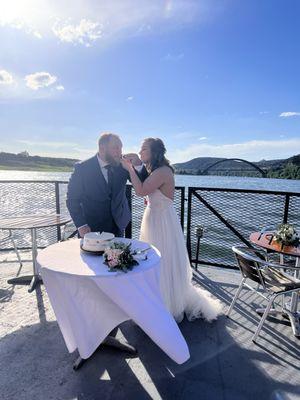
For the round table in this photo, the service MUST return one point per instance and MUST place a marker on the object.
(32, 222)
(89, 301)
(265, 241)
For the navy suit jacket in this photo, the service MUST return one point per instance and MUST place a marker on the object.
(90, 202)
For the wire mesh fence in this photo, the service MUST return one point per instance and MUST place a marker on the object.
(223, 216)
(19, 198)
(226, 217)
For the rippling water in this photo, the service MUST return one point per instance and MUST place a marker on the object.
(284, 185)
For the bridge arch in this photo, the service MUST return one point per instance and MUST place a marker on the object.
(263, 173)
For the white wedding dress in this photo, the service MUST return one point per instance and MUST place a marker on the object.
(161, 228)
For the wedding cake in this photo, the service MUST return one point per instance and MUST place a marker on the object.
(96, 241)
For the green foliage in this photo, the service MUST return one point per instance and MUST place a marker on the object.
(289, 171)
(24, 162)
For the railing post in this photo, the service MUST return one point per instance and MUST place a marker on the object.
(128, 230)
(188, 233)
(57, 208)
(182, 207)
(286, 208)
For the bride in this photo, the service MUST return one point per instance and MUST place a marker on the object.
(161, 228)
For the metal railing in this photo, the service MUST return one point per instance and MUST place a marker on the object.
(18, 198)
(224, 216)
(48, 197)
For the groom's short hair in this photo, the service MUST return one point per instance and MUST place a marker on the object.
(106, 137)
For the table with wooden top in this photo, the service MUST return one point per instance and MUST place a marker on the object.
(32, 222)
(265, 240)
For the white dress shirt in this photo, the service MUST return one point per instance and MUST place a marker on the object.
(103, 164)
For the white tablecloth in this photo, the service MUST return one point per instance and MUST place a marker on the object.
(89, 301)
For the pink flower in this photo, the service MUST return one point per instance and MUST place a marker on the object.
(113, 263)
(113, 257)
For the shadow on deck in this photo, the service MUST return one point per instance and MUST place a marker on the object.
(224, 363)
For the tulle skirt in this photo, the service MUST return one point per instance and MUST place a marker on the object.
(161, 228)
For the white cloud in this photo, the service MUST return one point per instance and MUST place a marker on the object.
(173, 57)
(253, 150)
(289, 114)
(86, 21)
(53, 144)
(22, 25)
(15, 87)
(129, 98)
(75, 152)
(189, 135)
(85, 32)
(39, 80)
(6, 78)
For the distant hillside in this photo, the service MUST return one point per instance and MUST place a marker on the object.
(286, 168)
(282, 168)
(23, 161)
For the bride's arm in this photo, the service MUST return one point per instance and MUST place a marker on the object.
(153, 182)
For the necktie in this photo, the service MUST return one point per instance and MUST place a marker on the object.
(109, 177)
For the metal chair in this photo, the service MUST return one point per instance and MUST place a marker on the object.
(268, 275)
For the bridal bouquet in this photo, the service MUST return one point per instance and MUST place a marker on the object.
(287, 235)
(119, 256)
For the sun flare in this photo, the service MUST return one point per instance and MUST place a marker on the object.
(28, 14)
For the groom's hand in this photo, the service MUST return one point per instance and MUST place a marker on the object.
(83, 230)
(133, 158)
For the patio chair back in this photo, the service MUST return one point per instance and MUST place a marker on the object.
(248, 265)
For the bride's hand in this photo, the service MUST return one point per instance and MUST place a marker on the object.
(133, 158)
(126, 164)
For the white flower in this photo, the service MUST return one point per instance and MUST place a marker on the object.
(286, 234)
(112, 256)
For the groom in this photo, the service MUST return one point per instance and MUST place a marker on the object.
(96, 197)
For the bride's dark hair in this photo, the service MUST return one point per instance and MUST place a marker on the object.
(158, 151)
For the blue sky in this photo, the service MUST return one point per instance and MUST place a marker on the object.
(211, 78)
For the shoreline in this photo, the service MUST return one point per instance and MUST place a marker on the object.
(35, 169)
(69, 170)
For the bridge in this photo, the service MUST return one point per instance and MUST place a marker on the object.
(261, 171)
